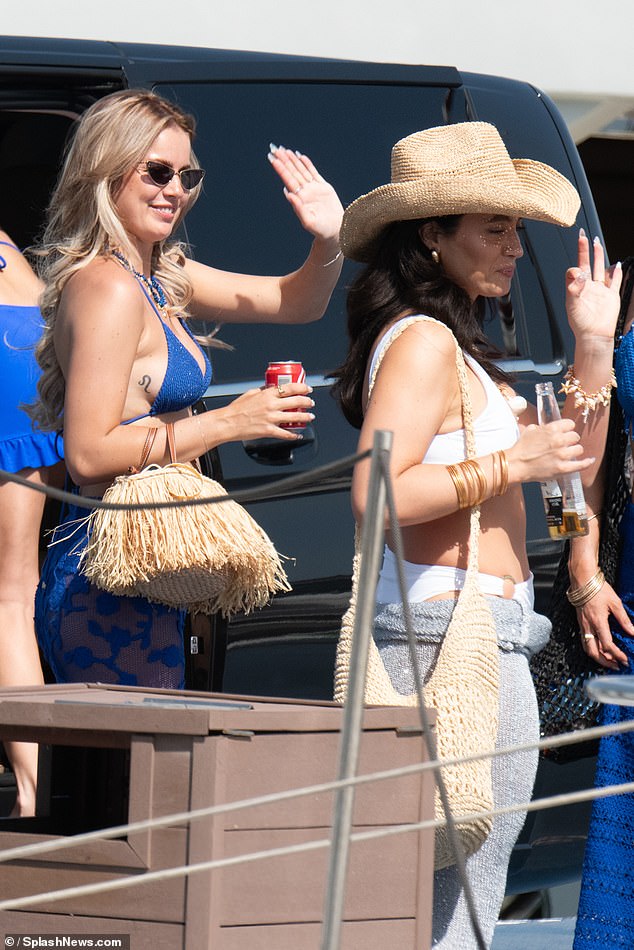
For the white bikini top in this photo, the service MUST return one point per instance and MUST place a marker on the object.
(495, 428)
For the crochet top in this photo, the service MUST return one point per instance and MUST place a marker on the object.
(183, 383)
(495, 428)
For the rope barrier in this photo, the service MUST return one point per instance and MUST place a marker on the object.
(284, 486)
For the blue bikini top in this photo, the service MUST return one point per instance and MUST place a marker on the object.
(3, 263)
(624, 372)
(183, 383)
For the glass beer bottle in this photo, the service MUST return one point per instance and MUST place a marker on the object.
(564, 503)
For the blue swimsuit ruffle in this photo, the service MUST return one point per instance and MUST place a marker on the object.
(33, 450)
(22, 446)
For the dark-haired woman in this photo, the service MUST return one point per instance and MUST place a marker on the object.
(441, 236)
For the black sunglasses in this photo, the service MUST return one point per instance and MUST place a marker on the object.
(161, 174)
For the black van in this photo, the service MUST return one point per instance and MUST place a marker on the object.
(346, 116)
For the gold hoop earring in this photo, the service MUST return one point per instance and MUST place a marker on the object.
(435, 256)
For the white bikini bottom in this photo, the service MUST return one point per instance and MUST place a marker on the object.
(423, 581)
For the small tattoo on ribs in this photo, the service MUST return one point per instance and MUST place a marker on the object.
(145, 382)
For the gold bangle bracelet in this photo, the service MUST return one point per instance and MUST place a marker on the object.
(504, 472)
(470, 483)
(477, 480)
(459, 484)
(579, 596)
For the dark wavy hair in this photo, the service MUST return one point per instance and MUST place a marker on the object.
(400, 279)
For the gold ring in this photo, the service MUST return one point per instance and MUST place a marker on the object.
(280, 391)
(589, 636)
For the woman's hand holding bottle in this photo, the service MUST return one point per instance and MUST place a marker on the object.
(546, 451)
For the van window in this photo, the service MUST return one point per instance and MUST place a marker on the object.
(242, 222)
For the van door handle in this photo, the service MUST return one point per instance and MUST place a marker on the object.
(553, 368)
(277, 452)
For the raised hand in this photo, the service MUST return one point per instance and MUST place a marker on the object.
(313, 200)
(592, 293)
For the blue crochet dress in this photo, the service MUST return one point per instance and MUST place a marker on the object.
(20, 445)
(605, 917)
(89, 635)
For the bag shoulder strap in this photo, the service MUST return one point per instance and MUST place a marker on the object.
(171, 441)
(467, 416)
(148, 444)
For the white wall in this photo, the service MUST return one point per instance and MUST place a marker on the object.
(579, 51)
(561, 45)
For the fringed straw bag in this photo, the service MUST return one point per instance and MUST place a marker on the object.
(205, 558)
(463, 686)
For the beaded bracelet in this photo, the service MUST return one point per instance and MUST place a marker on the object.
(579, 596)
(588, 402)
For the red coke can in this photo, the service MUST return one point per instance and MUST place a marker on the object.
(279, 374)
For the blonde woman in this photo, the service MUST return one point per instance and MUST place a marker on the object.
(118, 357)
(32, 455)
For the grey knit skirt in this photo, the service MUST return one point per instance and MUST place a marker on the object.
(520, 634)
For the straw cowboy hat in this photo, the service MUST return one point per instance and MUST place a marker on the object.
(457, 169)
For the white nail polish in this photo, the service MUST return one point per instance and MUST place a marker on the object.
(272, 148)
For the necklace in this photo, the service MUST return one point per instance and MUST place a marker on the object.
(152, 283)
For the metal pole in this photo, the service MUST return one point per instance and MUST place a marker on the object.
(372, 535)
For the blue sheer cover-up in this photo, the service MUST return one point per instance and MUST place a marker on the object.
(605, 916)
(89, 635)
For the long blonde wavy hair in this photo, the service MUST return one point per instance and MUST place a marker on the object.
(111, 138)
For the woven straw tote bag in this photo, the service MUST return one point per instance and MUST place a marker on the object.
(205, 558)
(463, 685)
